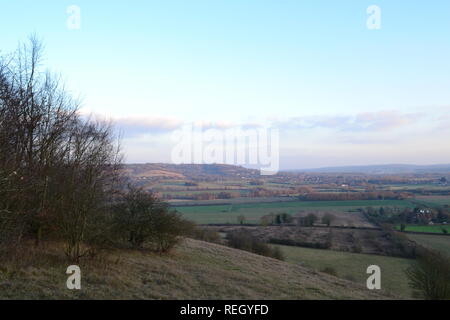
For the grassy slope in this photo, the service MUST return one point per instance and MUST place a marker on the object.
(197, 270)
(354, 265)
(438, 243)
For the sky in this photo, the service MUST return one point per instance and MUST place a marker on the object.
(338, 91)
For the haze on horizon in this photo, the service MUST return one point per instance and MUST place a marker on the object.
(338, 92)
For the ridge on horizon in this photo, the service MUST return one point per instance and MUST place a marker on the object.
(376, 168)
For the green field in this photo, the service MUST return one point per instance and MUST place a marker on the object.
(435, 200)
(353, 266)
(246, 200)
(194, 192)
(409, 187)
(254, 211)
(438, 243)
(427, 228)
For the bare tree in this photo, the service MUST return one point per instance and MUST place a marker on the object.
(57, 168)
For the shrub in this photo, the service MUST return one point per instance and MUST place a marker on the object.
(329, 240)
(307, 221)
(241, 219)
(270, 219)
(330, 270)
(265, 221)
(11, 228)
(168, 227)
(328, 218)
(283, 218)
(207, 235)
(357, 248)
(350, 277)
(278, 254)
(430, 275)
(244, 241)
(142, 219)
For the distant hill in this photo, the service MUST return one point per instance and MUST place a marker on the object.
(383, 169)
(203, 171)
(195, 270)
(187, 171)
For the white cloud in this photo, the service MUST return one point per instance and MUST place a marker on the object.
(368, 121)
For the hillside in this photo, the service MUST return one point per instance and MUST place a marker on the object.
(197, 270)
(382, 169)
(188, 171)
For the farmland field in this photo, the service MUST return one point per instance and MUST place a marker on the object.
(437, 200)
(395, 187)
(254, 211)
(353, 266)
(241, 200)
(438, 243)
(427, 228)
(213, 191)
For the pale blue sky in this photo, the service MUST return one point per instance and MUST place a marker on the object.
(302, 65)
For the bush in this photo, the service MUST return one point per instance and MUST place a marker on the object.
(283, 218)
(328, 218)
(278, 254)
(307, 221)
(169, 227)
(143, 220)
(207, 235)
(241, 219)
(350, 277)
(244, 241)
(11, 228)
(265, 221)
(330, 270)
(430, 276)
(402, 246)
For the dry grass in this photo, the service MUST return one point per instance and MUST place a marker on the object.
(353, 266)
(197, 270)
